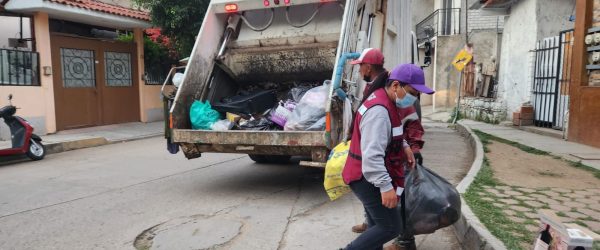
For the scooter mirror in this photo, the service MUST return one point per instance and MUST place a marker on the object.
(10, 97)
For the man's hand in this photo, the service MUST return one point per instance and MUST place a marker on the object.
(389, 199)
(411, 158)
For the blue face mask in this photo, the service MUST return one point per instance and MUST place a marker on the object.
(407, 101)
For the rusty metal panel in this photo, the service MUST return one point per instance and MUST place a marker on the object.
(239, 138)
(282, 63)
(257, 150)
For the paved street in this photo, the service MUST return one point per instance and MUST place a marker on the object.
(105, 197)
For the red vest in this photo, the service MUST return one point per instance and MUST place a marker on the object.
(394, 155)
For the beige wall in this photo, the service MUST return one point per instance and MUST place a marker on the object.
(150, 101)
(36, 103)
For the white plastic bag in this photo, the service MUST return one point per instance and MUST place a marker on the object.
(310, 110)
(347, 116)
(222, 125)
(177, 79)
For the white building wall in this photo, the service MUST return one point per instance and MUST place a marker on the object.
(529, 22)
(517, 45)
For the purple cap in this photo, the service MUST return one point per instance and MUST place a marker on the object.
(412, 75)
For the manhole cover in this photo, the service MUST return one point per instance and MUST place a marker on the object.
(189, 233)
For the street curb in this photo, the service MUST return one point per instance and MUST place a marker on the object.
(54, 148)
(471, 233)
(60, 147)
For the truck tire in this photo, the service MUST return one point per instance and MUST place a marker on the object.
(270, 159)
(258, 158)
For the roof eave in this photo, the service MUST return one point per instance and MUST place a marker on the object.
(76, 14)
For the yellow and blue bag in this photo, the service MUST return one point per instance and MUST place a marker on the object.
(334, 183)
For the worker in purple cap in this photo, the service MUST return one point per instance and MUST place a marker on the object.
(379, 152)
(411, 79)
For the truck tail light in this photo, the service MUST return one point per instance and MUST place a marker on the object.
(287, 2)
(231, 7)
(266, 3)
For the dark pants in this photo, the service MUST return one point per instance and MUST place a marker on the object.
(384, 223)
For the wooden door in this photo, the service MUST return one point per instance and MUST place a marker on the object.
(94, 82)
(75, 86)
(120, 98)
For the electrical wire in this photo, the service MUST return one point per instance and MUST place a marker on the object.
(252, 27)
(287, 17)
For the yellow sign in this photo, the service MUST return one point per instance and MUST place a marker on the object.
(462, 59)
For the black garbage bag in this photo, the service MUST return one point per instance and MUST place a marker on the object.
(262, 124)
(431, 202)
(247, 103)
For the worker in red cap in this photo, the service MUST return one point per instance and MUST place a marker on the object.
(371, 70)
(371, 67)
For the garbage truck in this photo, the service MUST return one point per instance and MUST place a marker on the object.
(256, 60)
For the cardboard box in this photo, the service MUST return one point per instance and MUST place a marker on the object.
(563, 236)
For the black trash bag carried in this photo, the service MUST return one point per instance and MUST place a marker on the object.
(431, 202)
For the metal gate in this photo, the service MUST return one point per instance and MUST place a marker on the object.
(551, 77)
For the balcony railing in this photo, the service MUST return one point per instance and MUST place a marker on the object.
(19, 68)
(442, 22)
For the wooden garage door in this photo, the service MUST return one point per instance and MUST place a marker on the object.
(94, 82)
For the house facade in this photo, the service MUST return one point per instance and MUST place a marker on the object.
(66, 68)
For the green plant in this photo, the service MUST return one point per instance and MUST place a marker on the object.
(179, 20)
(486, 138)
(454, 114)
(157, 57)
(578, 164)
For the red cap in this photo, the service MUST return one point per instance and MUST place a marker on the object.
(370, 56)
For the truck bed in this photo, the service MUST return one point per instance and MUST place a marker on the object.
(303, 143)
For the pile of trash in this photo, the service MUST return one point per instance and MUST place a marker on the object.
(302, 109)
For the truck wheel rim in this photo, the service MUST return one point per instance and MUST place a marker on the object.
(36, 149)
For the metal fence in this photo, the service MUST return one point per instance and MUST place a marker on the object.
(552, 74)
(155, 77)
(19, 68)
(442, 22)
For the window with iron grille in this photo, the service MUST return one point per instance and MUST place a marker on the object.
(19, 63)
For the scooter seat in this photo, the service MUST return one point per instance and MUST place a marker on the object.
(7, 111)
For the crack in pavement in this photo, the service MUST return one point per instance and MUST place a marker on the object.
(120, 188)
(291, 215)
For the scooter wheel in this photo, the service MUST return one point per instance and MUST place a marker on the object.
(36, 150)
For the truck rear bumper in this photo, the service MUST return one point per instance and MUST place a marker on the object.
(195, 142)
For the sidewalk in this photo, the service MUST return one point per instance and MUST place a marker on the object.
(589, 156)
(548, 142)
(97, 136)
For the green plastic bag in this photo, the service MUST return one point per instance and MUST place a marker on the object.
(202, 115)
